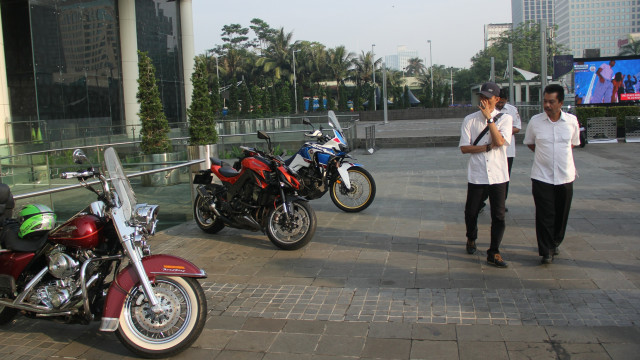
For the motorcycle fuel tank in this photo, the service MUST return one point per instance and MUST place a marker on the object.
(81, 231)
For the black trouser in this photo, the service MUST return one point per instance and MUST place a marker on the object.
(510, 163)
(475, 195)
(553, 203)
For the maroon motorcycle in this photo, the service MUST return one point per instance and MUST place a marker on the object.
(98, 266)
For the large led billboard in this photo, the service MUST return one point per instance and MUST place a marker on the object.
(607, 80)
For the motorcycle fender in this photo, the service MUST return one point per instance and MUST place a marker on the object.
(127, 279)
(344, 174)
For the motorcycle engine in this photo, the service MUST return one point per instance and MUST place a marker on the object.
(62, 266)
(313, 185)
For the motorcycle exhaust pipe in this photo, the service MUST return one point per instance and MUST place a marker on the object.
(205, 195)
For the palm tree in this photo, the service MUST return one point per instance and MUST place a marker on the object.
(278, 58)
(415, 67)
(630, 49)
(340, 61)
(362, 71)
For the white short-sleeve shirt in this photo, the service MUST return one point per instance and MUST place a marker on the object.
(553, 160)
(486, 167)
(517, 123)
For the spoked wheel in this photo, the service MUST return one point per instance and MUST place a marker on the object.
(295, 232)
(359, 196)
(154, 335)
(207, 221)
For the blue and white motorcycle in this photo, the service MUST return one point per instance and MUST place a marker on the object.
(323, 166)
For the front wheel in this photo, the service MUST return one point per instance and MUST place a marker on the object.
(155, 335)
(359, 196)
(291, 233)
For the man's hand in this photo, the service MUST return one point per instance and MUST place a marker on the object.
(484, 107)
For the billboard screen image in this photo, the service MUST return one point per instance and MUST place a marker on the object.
(607, 81)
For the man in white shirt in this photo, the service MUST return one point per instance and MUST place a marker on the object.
(488, 169)
(604, 87)
(503, 107)
(552, 135)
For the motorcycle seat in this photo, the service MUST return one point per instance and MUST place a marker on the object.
(227, 171)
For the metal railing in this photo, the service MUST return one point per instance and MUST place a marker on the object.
(37, 169)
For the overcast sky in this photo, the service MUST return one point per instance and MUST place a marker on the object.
(455, 27)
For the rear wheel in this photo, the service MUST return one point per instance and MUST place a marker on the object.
(176, 327)
(359, 196)
(205, 218)
(295, 232)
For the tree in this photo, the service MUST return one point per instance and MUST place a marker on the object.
(340, 61)
(233, 98)
(630, 49)
(155, 127)
(202, 126)
(216, 104)
(415, 67)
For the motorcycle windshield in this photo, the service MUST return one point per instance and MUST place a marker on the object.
(337, 129)
(120, 182)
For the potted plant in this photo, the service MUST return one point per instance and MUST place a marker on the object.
(156, 145)
(203, 135)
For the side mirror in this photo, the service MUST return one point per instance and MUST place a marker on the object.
(79, 157)
(306, 121)
(263, 135)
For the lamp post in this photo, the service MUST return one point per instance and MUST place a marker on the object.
(373, 66)
(295, 86)
(431, 69)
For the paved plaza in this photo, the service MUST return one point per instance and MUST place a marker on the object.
(395, 281)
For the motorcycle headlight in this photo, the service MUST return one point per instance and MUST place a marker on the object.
(147, 216)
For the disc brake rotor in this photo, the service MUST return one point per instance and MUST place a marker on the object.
(148, 320)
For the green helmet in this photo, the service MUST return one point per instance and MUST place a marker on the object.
(35, 218)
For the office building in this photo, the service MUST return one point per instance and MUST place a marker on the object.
(69, 67)
(592, 26)
(532, 10)
(492, 33)
(400, 60)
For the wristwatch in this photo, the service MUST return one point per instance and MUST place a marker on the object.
(488, 147)
(490, 121)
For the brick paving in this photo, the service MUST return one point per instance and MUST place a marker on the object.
(394, 281)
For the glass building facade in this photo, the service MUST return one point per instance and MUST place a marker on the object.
(532, 10)
(158, 30)
(64, 67)
(596, 24)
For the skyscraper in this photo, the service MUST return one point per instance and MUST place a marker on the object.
(532, 10)
(596, 24)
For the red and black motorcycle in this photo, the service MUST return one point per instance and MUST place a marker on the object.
(260, 195)
(98, 266)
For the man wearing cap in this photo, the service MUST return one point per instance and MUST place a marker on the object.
(485, 135)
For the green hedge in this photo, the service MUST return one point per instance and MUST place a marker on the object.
(619, 112)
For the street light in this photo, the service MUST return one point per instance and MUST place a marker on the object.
(295, 87)
(373, 66)
(431, 69)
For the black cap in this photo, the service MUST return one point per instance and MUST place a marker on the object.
(490, 90)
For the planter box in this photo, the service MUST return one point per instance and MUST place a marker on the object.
(197, 152)
(159, 161)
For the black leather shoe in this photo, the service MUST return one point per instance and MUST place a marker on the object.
(547, 260)
(471, 247)
(556, 251)
(496, 261)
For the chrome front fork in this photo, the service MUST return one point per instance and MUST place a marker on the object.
(127, 236)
